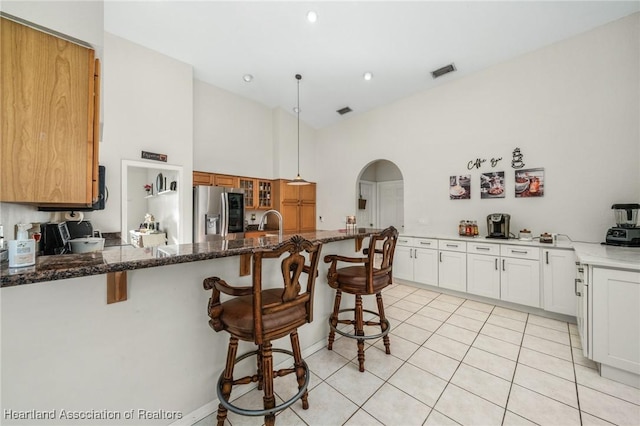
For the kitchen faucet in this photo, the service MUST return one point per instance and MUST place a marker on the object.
(264, 218)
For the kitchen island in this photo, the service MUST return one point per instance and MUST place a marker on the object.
(124, 258)
(64, 347)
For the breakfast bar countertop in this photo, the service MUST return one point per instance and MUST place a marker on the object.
(125, 258)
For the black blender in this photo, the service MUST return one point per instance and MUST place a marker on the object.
(626, 232)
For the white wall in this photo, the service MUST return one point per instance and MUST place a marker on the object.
(572, 108)
(231, 134)
(148, 107)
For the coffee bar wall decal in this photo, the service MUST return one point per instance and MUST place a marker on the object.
(477, 163)
(153, 156)
(517, 162)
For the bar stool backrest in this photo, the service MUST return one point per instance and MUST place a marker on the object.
(384, 244)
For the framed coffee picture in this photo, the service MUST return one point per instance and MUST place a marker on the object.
(460, 187)
(529, 183)
(492, 185)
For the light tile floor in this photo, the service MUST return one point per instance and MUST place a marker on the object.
(455, 361)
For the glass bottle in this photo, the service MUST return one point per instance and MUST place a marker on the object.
(475, 228)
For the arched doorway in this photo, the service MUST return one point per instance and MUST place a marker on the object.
(380, 195)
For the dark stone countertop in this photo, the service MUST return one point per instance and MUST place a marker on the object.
(124, 258)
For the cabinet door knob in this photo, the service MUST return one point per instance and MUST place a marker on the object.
(440, 257)
(496, 263)
(503, 265)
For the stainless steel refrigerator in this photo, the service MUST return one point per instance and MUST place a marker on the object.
(218, 213)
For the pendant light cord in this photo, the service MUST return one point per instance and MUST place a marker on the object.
(299, 77)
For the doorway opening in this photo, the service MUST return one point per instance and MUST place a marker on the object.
(162, 200)
(380, 196)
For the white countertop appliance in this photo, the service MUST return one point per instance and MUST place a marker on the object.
(626, 232)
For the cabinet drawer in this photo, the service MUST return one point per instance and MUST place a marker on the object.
(520, 252)
(426, 243)
(483, 248)
(405, 241)
(452, 245)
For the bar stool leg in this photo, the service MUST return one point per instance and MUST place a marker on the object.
(334, 318)
(227, 381)
(360, 330)
(267, 374)
(383, 323)
(259, 362)
(300, 372)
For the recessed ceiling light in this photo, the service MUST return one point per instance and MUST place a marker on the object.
(312, 16)
(367, 76)
(247, 78)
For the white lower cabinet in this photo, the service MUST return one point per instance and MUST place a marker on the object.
(452, 265)
(415, 261)
(558, 277)
(616, 320)
(483, 269)
(425, 266)
(520, 275)
(403, 261)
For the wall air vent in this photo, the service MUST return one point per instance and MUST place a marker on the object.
(442, 71)
(343, 111)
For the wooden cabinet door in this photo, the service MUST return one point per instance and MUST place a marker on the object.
(307, 217)
(265, 194)
(225, 180)
(288, 193)
(248, 185)
(307, 193)
(47, 109)
(290, 217)
(202, 178)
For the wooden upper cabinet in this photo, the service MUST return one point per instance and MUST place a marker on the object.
(297, 204)
(257, 193)
(225, 180)
(50, 118)
(202, 178)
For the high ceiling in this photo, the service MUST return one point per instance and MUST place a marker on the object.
(399, 42)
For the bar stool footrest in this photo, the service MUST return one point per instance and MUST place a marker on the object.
(364, 337)
(264, 412)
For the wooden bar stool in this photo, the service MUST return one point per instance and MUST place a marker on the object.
(370, 277)
(260, 316)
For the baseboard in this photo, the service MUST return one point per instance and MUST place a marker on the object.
(212, 406)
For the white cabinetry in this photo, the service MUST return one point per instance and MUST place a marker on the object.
(558, 274)
(452, 269)
(520, 275)
(483, 269)
(616, 320)
(416, 259)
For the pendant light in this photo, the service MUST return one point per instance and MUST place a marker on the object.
(298, 180)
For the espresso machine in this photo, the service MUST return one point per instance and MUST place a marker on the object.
(626, 232)
(498, 225)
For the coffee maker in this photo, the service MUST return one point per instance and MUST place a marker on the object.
(498, 225)
(626, 232)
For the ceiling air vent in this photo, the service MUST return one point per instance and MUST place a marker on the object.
(442, 71)
(343, 111)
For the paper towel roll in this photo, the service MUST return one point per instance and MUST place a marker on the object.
(74, 217)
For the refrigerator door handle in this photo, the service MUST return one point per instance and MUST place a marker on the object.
(224, 214)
